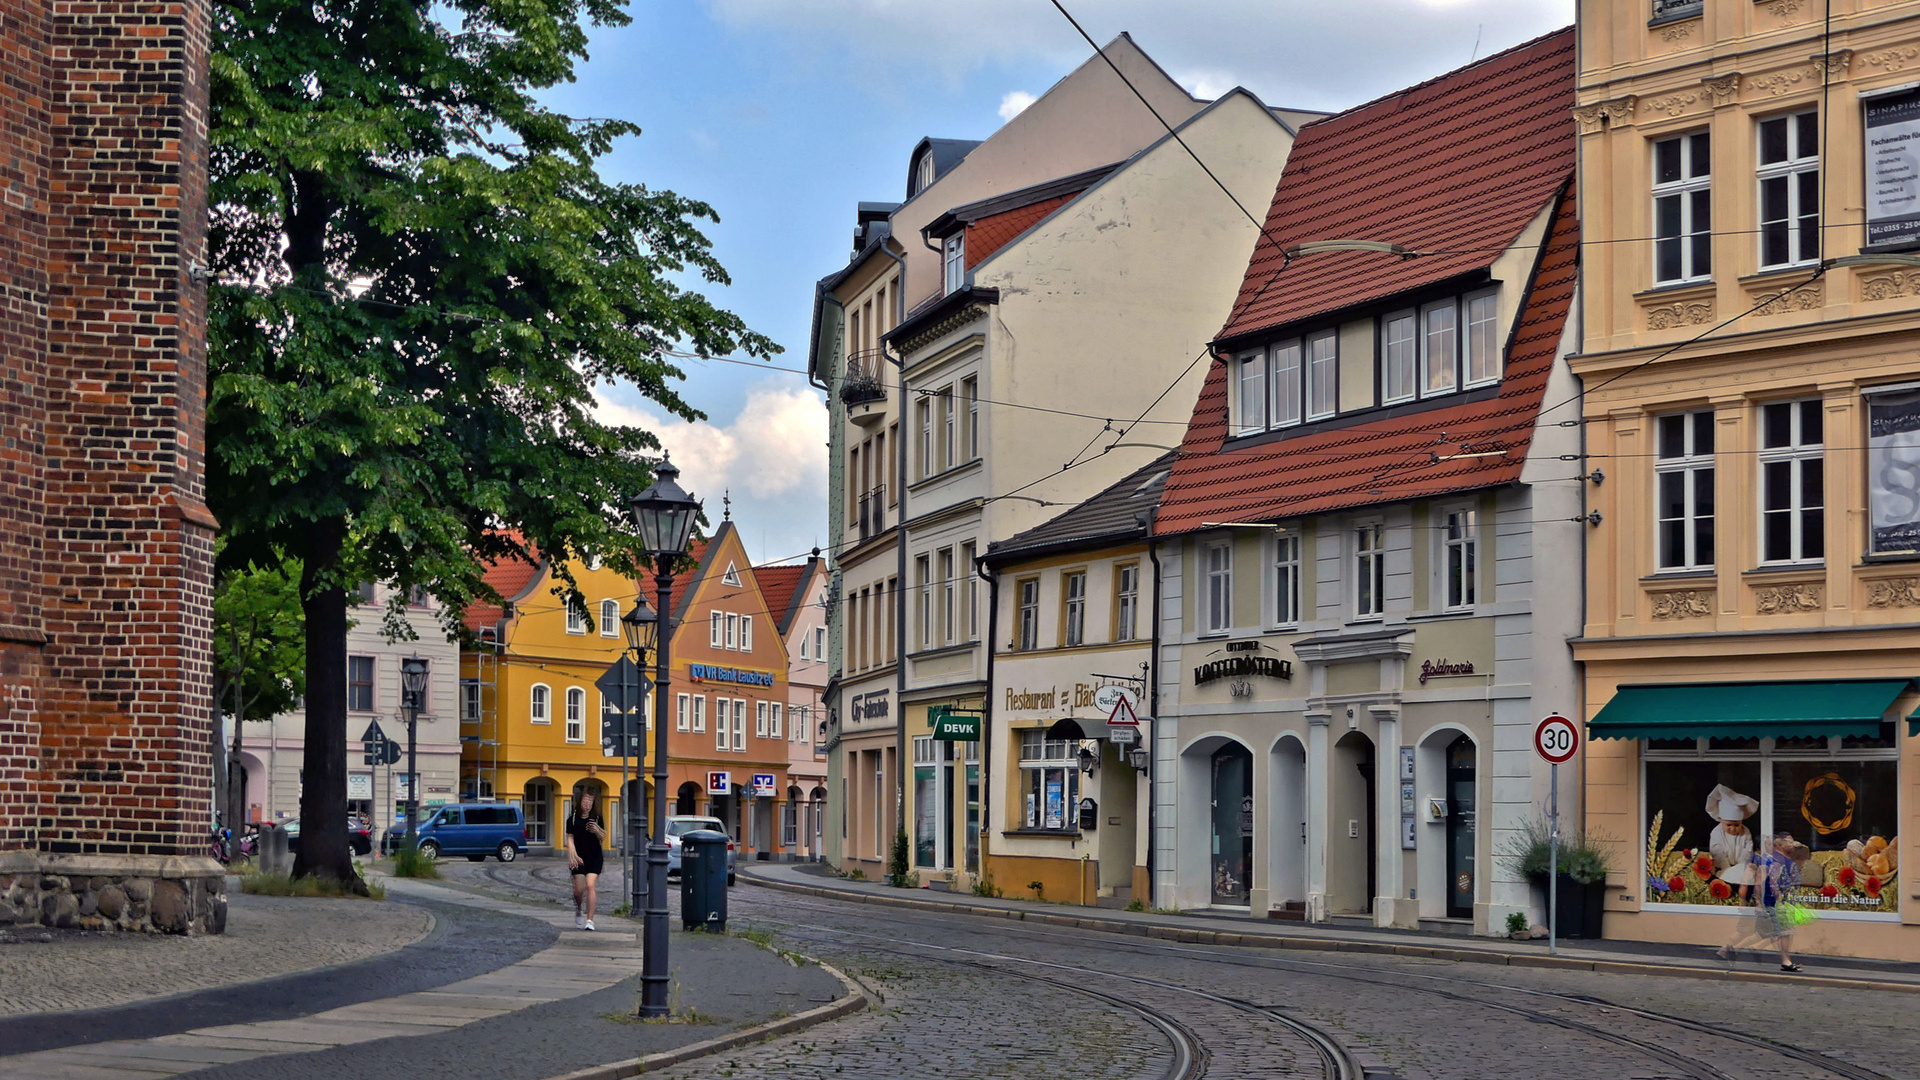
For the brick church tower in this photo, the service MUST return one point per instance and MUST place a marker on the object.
(106, 545)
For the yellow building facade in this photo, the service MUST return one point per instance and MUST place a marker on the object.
(1751, 364)
(530, 712)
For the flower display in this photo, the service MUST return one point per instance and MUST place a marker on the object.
(1676, 883)
(1872, 887)
(1847, 876)
(1703, 865)
(1829, 891)
(1720, 890)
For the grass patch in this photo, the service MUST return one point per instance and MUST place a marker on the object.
(411, 863)
(263, 884)
(624, 909)
(762, 938)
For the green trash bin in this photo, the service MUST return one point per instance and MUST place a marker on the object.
(703, 880)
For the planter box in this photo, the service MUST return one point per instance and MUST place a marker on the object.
(1581, 906)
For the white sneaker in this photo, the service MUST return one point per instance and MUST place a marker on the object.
(589, 925)
(579, 921)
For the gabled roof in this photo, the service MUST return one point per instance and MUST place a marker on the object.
(511, 578)
(1453, 168)
(1121, 512)
(1477, 443)
(785, 590)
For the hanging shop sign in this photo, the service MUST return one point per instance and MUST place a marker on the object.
(1893, 168)
(765, 784)
(737, 676)
(953, 724)
(1234, 667)
(1893, 470)
(719, 783)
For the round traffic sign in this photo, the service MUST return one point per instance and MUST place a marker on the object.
(1556, 738)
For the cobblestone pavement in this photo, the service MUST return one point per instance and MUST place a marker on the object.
(961, 999)
(266, 936)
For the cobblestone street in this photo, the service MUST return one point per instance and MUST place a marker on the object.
(967, 996)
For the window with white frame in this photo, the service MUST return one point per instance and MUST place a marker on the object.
(360, 683)
(1286, 578)
(576, 715)
(1252, 384)
(739, 726)
(1050, 781)
(1459, 562)
(803, 648)
(1285, 369)
(469, 699)
(949, 617)
(970, 600)
(923, 411)
(949, 431)
(1792, 482)
(1073, 591)
(682, 715)
(1323, 371)
(1126, 601)
(746, 633)
(540, 708)
(576, 617)
(773, 720)
(1399, 357)
(1682, 209)
(1217, 618)
(1439, 348)
(699, 713)
(970, 396)
(733, 631)
(722, 723)
(819, 643)
(923, 589)
(1369, 570)
(1683, 478)
(1029, 615)
(760, 718)
(1789, 173)
(1482, 344)
(953, 262)
(609, 618)
(716, 629)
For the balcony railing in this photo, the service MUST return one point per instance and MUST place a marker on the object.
(863, 382)
(1665, 10)
(873, 512)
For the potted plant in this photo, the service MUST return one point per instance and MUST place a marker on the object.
(1581, 887)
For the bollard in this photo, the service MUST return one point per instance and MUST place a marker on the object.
(274, 857)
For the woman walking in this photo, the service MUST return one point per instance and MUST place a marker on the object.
(1774, 916)
(584, 834)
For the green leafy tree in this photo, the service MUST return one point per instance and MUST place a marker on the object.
(421, 276)
(259, 655)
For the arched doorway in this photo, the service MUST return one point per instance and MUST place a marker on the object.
(686, 801)
(536, 808)
(1287, 832)
(1231, 871)
(1461, 819)
(1351, 842)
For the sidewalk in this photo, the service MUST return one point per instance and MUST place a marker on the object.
(563, 1008)
(1222, 928)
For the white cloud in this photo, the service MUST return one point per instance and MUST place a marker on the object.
(1015, 103)
(1325, 55)
(1206, 85)
(772, 458)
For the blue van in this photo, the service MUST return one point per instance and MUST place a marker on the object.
(475, 830)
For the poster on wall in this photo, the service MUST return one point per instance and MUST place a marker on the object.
(1893, 471)
(359, 785)
(1893, 168)
(1056, 803)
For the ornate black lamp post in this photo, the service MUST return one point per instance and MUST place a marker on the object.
(664, 516)
(413, 692)
(642, 627)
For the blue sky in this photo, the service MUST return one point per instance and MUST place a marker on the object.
(784, 113)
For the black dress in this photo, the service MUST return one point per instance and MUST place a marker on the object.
(585, 844)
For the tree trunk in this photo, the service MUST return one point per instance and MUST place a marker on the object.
(323, 767)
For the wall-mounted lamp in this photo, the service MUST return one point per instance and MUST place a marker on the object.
(1089, 760)
(1140, 758)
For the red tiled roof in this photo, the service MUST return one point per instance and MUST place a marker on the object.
(509, 577)
(1455, 166)
(777, 586)
(1381, 461)
(991, 233)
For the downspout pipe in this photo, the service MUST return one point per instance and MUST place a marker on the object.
(986, 711)
(900, 568)
(1153, 704)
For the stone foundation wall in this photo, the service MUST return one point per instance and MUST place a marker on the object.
(155, 895)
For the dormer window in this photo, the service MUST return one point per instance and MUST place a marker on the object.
(953, 261)
(922, 173)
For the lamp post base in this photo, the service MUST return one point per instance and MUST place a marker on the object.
(653, 964)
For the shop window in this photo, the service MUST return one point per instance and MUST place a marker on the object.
(925, 808)
(1050, 780)
(1707, 816)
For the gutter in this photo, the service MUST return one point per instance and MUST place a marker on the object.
(1153, 704)
(986, 736)
(900, 568)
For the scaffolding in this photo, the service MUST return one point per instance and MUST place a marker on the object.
(480, 720)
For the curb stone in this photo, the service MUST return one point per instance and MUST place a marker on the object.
(1456, 953)
(853, 1001)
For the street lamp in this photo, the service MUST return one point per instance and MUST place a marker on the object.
(413, 686)
(664, 516)
(642, 628)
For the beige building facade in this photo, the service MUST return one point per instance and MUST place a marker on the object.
(1753, 584)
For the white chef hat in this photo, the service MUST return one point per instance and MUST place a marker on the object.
(1726, 804)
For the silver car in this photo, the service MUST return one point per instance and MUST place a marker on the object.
(678, 827)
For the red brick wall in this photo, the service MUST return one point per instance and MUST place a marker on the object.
(105, 544)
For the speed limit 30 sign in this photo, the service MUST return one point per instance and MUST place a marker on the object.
(1556, 739)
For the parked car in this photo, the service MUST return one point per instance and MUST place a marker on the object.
(475, 830)
(359, 838)
(681, 826)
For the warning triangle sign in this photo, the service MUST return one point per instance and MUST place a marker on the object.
(1123, 714)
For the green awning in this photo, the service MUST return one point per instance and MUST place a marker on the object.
(1747, 710)
(1913, 723)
